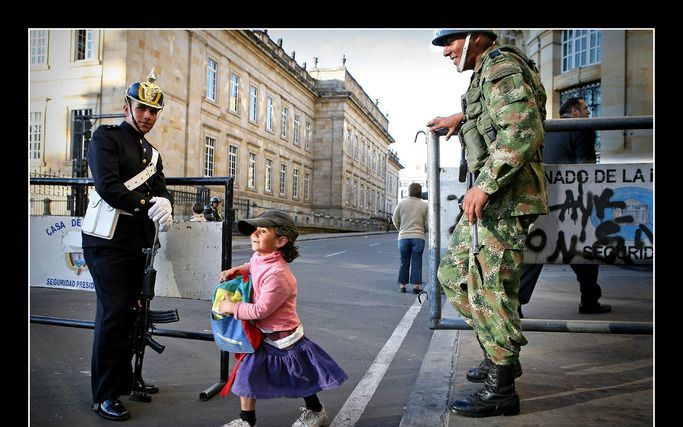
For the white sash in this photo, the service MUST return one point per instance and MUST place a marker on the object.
(100, 219)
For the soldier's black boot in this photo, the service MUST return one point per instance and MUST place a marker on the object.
(497, 397)
(479, 373)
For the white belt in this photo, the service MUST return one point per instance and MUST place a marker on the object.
(142, 177)
(288, 340)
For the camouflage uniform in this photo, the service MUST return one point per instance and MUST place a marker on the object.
(506, 101)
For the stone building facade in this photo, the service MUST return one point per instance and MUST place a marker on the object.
(309, 142)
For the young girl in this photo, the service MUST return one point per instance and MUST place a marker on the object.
(287, 364)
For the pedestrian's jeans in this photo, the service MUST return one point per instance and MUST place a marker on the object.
(411, 258)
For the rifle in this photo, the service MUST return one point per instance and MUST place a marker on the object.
(144, 322)
(464, 174)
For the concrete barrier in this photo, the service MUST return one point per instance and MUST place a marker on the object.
(188, 262)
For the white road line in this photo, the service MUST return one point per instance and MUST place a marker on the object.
(336, 253)
(353, 408)
(374, 244)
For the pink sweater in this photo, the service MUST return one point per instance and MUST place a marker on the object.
(274, 287)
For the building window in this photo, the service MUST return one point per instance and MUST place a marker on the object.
(234, 93)
(362, 153)
(35, 136)
(362, 196)
(295, 183)
(356, 149)
(269, 113)
(211, 73)
(307, 137)
(283, 179)
(269, 176)
(38, 47)
(348, 189)
(374, 160)
(355, 192)
(283, 122)
(253, 104)
(85, 45)
(307, 186)
(232, 162)
(591, 93)
(349, 143)
(581, 48)
(77, 143)
(367, 197)
(297, 129)
(251, 179)
(209, 149)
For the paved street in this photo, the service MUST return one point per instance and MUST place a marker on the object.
(348, 302)
(350, 306)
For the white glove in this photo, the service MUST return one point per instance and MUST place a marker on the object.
(164, 226)
(161, 212)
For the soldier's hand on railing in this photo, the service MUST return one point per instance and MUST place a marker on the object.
(452, 123)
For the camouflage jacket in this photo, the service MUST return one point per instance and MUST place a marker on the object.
(513, 97)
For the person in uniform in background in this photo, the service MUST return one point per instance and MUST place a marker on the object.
(502, 123)
(569, 147)
(215, 207)
(117, 153)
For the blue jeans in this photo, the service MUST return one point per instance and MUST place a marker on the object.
(411, 258)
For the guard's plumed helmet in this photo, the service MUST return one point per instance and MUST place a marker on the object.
(147, 93)
(442, 34)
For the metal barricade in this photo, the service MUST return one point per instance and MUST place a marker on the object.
(535, 325)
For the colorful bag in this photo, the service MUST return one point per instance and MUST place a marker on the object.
(234, 335)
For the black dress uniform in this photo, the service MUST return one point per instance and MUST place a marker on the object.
(116, 154)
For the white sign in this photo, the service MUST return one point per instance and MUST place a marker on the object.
(188, 263)
(598, 214)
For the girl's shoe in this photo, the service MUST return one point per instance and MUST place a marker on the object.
(309, 418)
(237, 423)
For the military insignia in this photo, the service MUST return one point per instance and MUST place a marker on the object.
(149, 92)
(506, 85)
(76, 262)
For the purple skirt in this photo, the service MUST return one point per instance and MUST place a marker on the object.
(300, 371)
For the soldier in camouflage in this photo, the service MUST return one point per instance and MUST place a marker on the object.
(501, 126)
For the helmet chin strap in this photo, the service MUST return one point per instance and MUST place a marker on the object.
(132, 117)
(463, 57)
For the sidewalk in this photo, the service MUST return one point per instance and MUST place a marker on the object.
(569, 378)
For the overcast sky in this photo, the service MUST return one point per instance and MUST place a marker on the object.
(401, 68)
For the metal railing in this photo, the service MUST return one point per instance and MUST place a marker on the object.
(226, 263)
(535, 325)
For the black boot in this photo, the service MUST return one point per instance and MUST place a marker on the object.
(479, 373)
(497, 397)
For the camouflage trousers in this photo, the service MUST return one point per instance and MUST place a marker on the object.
(485, 288)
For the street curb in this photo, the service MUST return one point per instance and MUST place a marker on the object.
(427, 404)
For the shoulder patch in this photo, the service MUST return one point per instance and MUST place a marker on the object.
(495, 53)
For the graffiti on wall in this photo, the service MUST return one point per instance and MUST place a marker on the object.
(598, 214)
